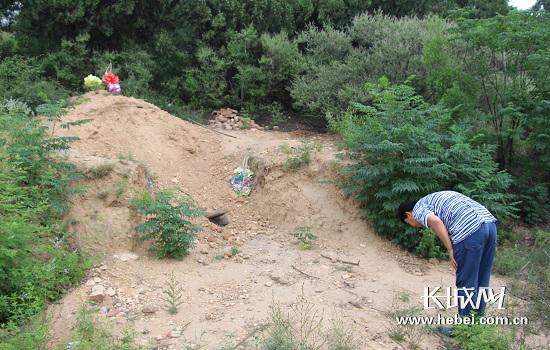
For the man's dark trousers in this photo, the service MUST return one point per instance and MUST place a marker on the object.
(474, 256)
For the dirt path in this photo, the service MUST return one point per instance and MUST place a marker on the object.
(225, 298)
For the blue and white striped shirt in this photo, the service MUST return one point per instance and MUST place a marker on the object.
(460, 214)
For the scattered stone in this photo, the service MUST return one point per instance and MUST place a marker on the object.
(345, 276)
(98, 294)
(174, 334)
(149, 309)
(126, 256)
(113, 312)
(279, 279)
(110, 292)
(90, 283)
(268, 284)
(97, 280)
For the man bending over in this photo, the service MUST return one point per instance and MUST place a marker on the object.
(468, 231)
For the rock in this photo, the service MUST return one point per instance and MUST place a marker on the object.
(149, 309)
(345, 276)
(98, 293)
(90, 283)
(113, 312)
(97, 280)
(276, 127)
(221, 220)
(268, 284)
(126, 256)
(279, 279)
(110, 292)
(215, 213)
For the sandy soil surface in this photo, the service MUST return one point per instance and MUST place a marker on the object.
(227, 296)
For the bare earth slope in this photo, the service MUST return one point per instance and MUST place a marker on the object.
(226, 297)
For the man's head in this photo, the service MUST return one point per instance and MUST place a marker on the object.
(405, 214)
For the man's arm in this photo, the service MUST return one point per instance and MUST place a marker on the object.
(437, 226)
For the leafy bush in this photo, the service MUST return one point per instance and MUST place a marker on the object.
(167, 223)
(481, 337)
(22, 78)
(36, 262)
(401, 148)
(339, 62)
(430, 246)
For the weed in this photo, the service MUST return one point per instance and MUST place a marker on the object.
(121, 186)
(411, 334)
(300, 156)
(93, 334)
(304, 235)
(103, 195)
(245, 122)
(481, 337)
(340, 337)
(235, 250)
(129, 156)
(100, 171)
(173, 294)
(346, 268)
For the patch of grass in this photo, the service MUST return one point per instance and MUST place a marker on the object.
(100, 171)
(340, 337)
(173, 294)
(33, 336)
(245, 122)
(481, 337)
(304, 235)
(121, 186)
(299, 157)
(235, 250)
(527, 265)
(128, 156)
(103, 195)
(411, 335)
(91, 333)
(346, 268)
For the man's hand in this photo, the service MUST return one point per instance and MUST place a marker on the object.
(453, 261)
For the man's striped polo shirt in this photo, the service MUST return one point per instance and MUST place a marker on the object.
(460, 214)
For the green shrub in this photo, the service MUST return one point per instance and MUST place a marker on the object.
(134, 67)
(339, 62)
(402, 148)
(430, 246)
(36, 262)
(167, 223)
(22, 78)
(481, 337)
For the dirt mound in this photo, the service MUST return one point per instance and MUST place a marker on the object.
(234, 272)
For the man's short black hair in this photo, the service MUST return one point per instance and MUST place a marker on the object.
(404, 207)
